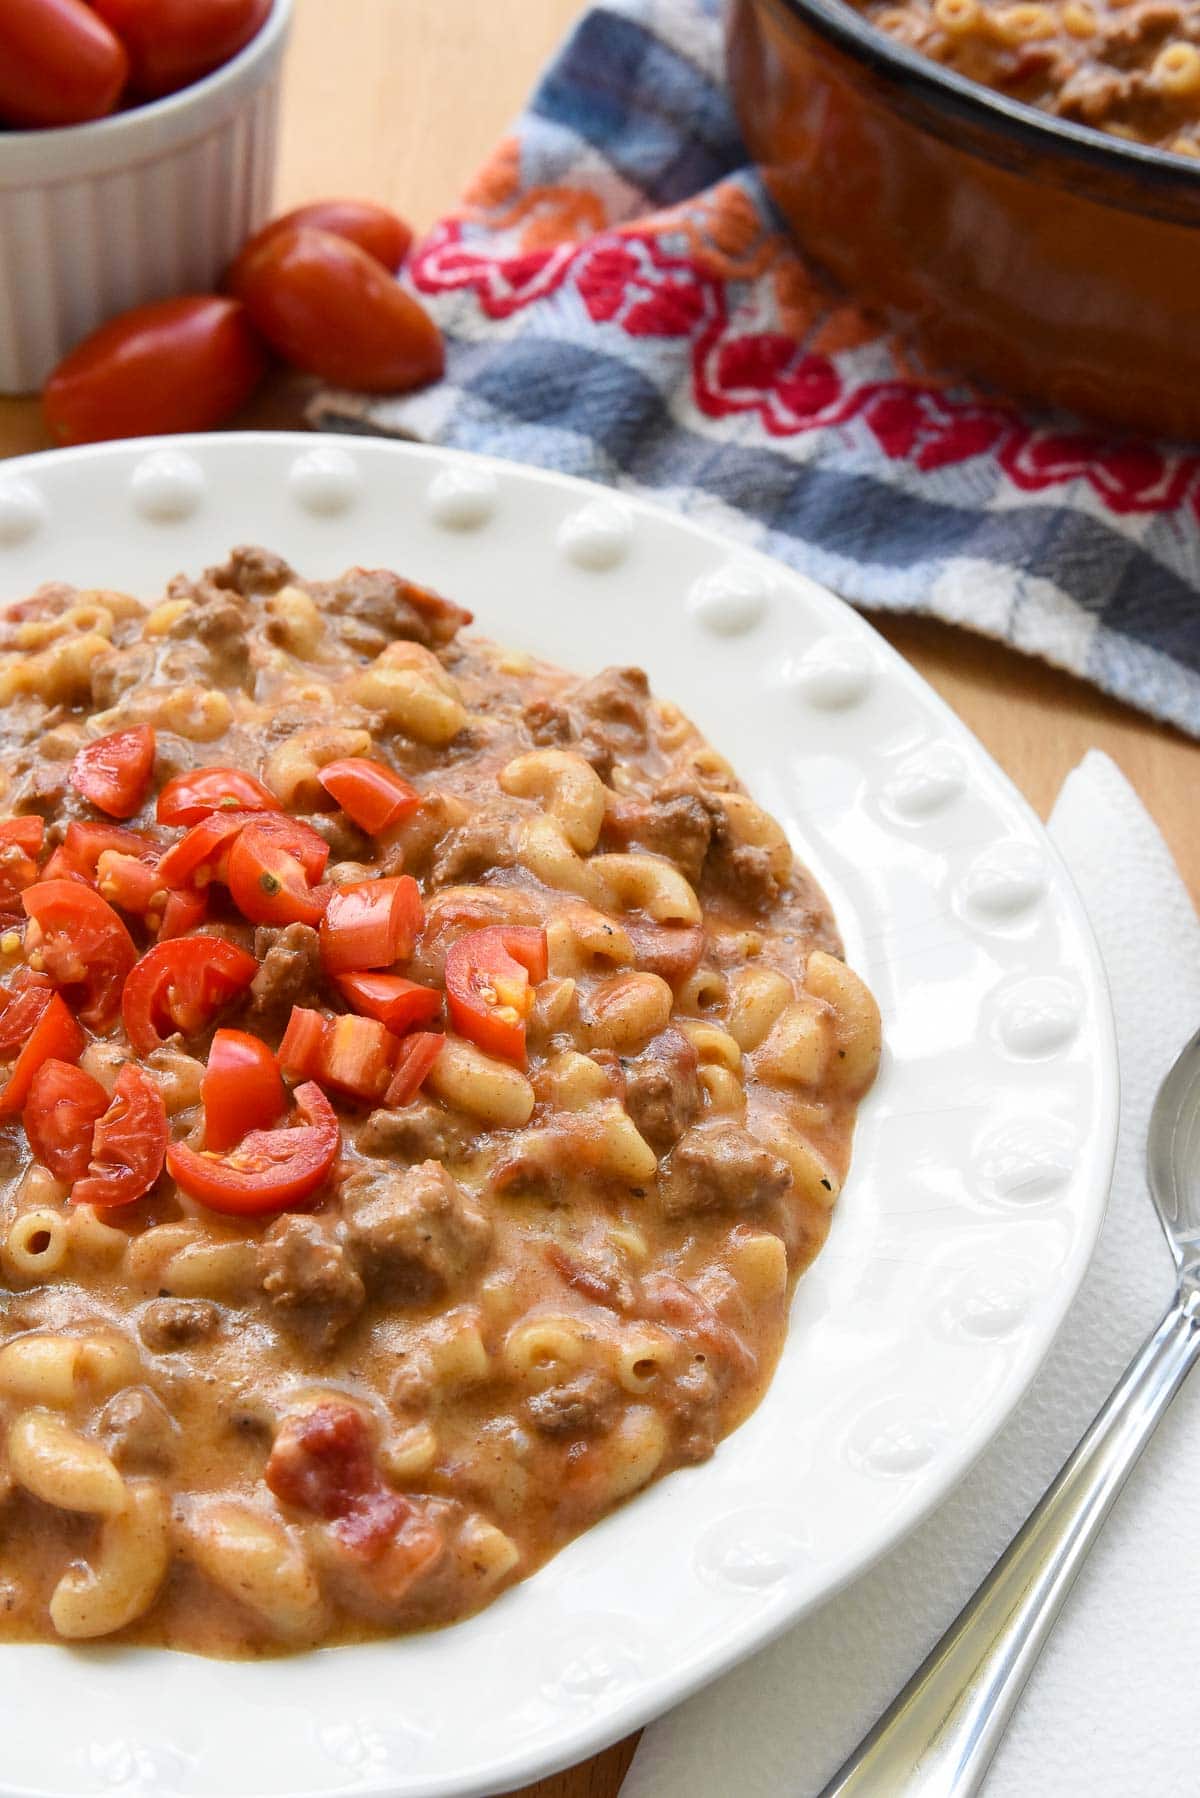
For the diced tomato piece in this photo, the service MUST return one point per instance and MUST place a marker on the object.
(371, 924)
(20, 845)
(357, 1055)
(268, 885)
(180, 986)
(417, 1054)
(185, 910)
(35, 1027)
(136, 886)
(114, 771)
(78, 940)
(302, 1045)
(270, 1170)
(369, 793)
(63, 1104)
(488, 991)
(202, 856)
(190, 797)
(321, 1460)
(81, 848)
(396, 1002)
(129, 1143)
(242, 1089)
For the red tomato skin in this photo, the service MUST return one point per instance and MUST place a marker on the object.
(300, 1052)
(395, 1001)
(82, 943)
(358, 1055)
(268, 885)
(271, 1170)
(198, 794)
(20, 844)
(369, 793)
(64, 1103)
(330, 309)
(184, 911)
(418, 1052)
(515, 953)
(370, 924)
(59, 63)
(41, 1022)
(129, 1143)
(172, 43)
(203, 972)
(203, 854)
(242, 1089)
(114, 771)
(363, 222)
(80, 850)
(175, 365)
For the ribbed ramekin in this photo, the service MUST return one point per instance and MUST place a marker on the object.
(151, 202)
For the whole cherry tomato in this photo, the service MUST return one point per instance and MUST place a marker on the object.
(59, 63)
(175, 365)
(172, 43)
(372, 227)
(329, 308)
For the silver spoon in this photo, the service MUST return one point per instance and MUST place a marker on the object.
(937, 1738)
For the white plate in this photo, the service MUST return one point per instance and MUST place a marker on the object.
(980, 1171)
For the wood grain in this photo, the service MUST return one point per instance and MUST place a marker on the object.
(401, 99)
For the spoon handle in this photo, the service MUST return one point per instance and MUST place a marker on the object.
(937, 1738)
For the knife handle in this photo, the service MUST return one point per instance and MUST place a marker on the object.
(937, 1738)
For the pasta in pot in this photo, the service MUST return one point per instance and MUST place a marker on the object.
(426, 1075)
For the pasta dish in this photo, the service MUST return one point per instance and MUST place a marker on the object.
(424, 1074)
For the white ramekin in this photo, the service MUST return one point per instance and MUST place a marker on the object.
(152, 202)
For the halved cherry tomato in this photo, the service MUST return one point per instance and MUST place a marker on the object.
(63, 1104)
(369, 793)
(358, 1056)
(418, 1052)
(488, 974)
(268, 885)
(327, 307)
(175, 365)
(172, 43)
(241, 1090)
(372, 227)
(396, 1002)
(129, 1143)
(303, 1042)
(270, 1170)
(59, 63)
(81, 848)
(203, 854)
(20, 844)
(78, 940)
(132, 884)
(114, 771)
(189, 797)
(35, 1027)
(371, 924)
(180, 986)
(183, 911)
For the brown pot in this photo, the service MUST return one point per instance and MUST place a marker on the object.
(1057, 263)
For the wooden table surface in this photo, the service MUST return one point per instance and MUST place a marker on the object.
(400, 100)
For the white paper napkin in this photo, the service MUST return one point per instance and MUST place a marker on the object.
(1111, 1709)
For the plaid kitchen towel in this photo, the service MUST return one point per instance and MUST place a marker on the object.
(620, 301)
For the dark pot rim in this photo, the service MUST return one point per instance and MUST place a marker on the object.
(955, 99)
